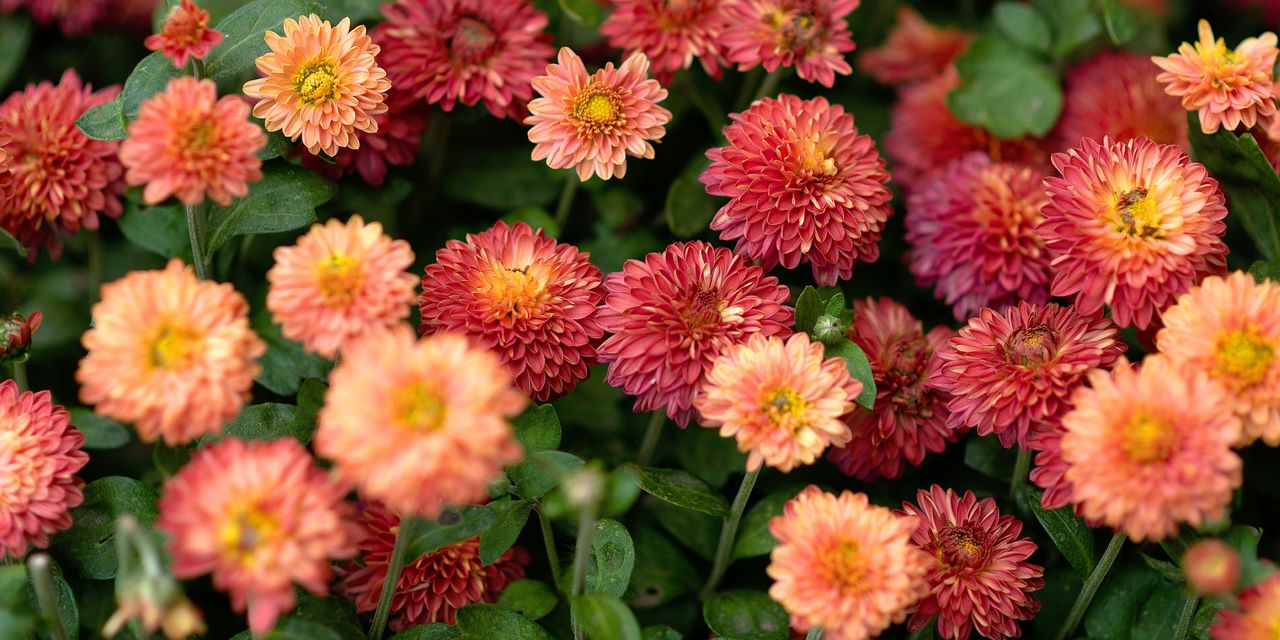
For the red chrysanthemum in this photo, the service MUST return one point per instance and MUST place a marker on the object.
(981, 579)
(1116, 94)
(914, 50)
(394, 144)
(803, 187)
(670, 32)
(185, 34)
(524, 296)
(811, 35)
(910, 416)
(670, 315)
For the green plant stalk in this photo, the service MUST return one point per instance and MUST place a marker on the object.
(581, 553)
(20, 375)
(814, 634)
(195, 230)
(1020, 471)
(1091, 586)
(549, 539)
(93, 244)
(770, 84)
(42, 580)
(652, 434)
(395, 565)
(565, 204)
(729, 532)
(747, 89)
(919, 633)
(1188, 614)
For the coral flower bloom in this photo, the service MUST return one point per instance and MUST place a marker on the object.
(170, 353)
(1230, 328)
(1258, 616)
(1132, 225)
(1225, 87)
(781, 399)
(803, 187)
(526, 297)
(845, 565)
(322, 84)
(188, 143)
(810, 35)
(39, 457)
(431, 428)
(1212, 568)
(593, 122)
(395, 144)
(670, 32)
(913, 50)
(1150, 449)
(1116, 94)
(981, 579)
(259, 516)
(672, 314)
(339, 282)
(185, 35)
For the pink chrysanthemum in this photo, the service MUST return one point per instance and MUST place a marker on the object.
(321, 83)
(810, 35)
(670, 32)
(395, 144)
(432, 587)
(1258, 615)
(1229, 328)
(1116, 94)
(671, 315)
(338, 283)
(803, 187)
(39, 457)
(914, 50)
(845, 565)
(73, 17)
(593, 122)
(522, 295)
(1225, 87)
(451, 51)
(431, 428)
(185, 35)
(59, 179)
(910, 416)
(973, 235)
(1131, 225)
(1012, 373)
(981, 579)
(1050, 471)
(259, 516)
(781, 399)
(1149, 449)
(188, 143)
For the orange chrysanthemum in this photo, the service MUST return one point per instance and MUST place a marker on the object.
(845, 565)
(1258, 616)
(185, 35)
(340, 282)
(170, 353)
(322, 84)
(914, 50)
(1225, 87)
(1149, 449)
(431, 428)
(1117, 94)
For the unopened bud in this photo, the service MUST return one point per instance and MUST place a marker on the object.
(15, 335)
(585, 488)
(1212, 567)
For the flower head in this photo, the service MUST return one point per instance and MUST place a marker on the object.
(338, 283)
(524, 296)
(672, 314)
(185, 34)
(15, 334)
(981, 579)
(914, 50)
(321, 83)
(1226, 87)
(1116, 94)
(170, 353)
(259, 516)
(1257, 617)
(73, 17)
(803, 187)
(909, 417)
(810, 35)
(1212, 567)
(395, 144)
(593, 122)
(1050, 471)
(670, 32)
(432, 428)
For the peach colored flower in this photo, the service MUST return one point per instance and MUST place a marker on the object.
(671, 32)
(914, 50)
(1117, 94)
(1212, 568)
(185, 34)
(1225, 87)
(1258, 615)
(810, 35)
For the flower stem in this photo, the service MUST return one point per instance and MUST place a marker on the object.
(1188, 614)
(394, 565)
(815, 633)
(729, 532)
(195, 228)
(1091, 586)
(749, 83)
(1020, 471)
(549, 538)
(651, 435)
(770, 83)
(94, 245)
(586, 527)
(919, 633)
(571, 183)
(42, 580)
(20, 375)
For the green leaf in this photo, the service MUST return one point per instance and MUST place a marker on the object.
(1022, 24)
(605, 617)
(530, 598)
(65, 600)
(286, 198)
(277, 144)
(859, 367)
(1166, 569)
(1073, 23)
(1005, 89)
(746, 615)
(1068, 532)
(1118, 18)
(661, 632)
(542, 471)
(501, 180)
(89, 545)
(160, 230)
(450, 528)
(1263, 270)
(689, 208)
(359, 11)
(149, 77)
(662, 574)
(1244, 539)
(613, 555)
(808, 307)
(512, 516)
(491, 622)
(537, 218)
(587, 13)
(243, 37)
(987, 456)
(708, 455)
(538, 428)
(754, 538)
(1115, 609)
(286, 363)
(621, 489)
(682, 489)
(10, 243)
(697, 531)
(15, 33)
(269, 421)
(17, 614)
(103, 122)
(432, 631)
(168, 460)
(99, 433)
(1248, 179)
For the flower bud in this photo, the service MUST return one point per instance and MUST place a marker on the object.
(15, 335)
(1212, 567)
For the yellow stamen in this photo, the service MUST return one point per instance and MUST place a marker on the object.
(1148, 439)
(598, 109)
(844, 567)
(173, 347)
(243, 533)
(339, 279)
(317, 83)
(1243, 358)
(512, 293)
(1136, 213)
(419, 407)
(785, 409)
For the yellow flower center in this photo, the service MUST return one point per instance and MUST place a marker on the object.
(1135, 213)
(512, 293)
(785, 409)
(1031, 346)
(1148, 439)
(339, 279)
(317, 83)
(813, 158)
(844, 568)
(421, 408)
(598, 109)
(1243, 358)
(794, 31)
(245, 531)
(471, 40)
(962, 546)
(173, 347)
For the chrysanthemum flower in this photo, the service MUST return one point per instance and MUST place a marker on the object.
(15, 334)
(981, 579)
(1116, 94)
(803, 187)
(59, 179)
(395, 144)
(1131, 224)
(5, 159)
(524, 296)
(188, 143)
(431, 428)
(1150, 449)
(913, 50)
(593, 122)
(973, 235)
(1212, 567)
(185, 35)
(433, 587)
(1012, 373)
(170, 353)
(671, 315)
(1225, 87)
(451, 51)
(322, 84)
(259, 516)
(670, 32)
(1229, 328)
(845, 565)
(1258, 616)
(810, 35)
(338, 283)
(910, 416)
(781, 399)
(39, 457)
(73, 17)
(1050, 470)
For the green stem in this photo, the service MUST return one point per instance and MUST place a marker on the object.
(20, 375)
(714, 113)
(437, 143)
(197, 68)
(815, 633)
(729, 532)
(1188, 614)
(195, 229)
(652, 434)
(549, 538)
(1091, 586)
(919, 633)
(94, 246)
(42, 580)
(394, 565)
(748, 88)
(1020, 471)
(770, 83)
(571, 183)
(581, 553)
